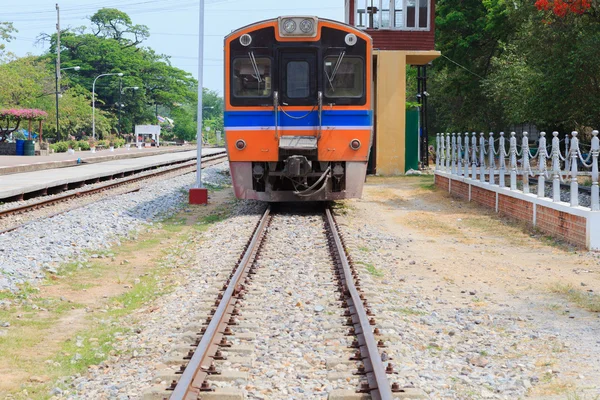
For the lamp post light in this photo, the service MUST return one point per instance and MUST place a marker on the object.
(58, 93)
(94, 101)
(121, 105)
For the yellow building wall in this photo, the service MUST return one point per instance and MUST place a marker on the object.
(390, 106)
(390, 98)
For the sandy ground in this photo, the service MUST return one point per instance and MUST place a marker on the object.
(457, 248)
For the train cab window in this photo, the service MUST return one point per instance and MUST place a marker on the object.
(251, 77)
(345, 76)
(298, 79)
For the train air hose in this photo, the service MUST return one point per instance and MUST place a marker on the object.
(307, 192)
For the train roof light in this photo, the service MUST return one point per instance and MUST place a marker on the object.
(298, 26)
(351, 39)
(245, 40)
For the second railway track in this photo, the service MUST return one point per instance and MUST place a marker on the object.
(295, 300)
(20, 212)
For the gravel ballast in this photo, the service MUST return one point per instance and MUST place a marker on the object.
(43, 245)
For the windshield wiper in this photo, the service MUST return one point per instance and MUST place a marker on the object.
(335, 69)
(255, 66)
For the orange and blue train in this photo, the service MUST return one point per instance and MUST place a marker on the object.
(298, 109)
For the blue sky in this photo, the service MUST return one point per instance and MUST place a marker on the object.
(173, 24)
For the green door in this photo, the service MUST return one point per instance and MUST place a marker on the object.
(412, 140)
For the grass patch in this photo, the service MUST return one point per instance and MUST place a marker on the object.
(371, 269)
(365, 249)
(585, 300)
(427, 183)
(341, 207)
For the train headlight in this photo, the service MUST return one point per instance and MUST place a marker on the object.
(355, 144)
(298, 26)
(240, 144)
(245, 40)
(351, 39)
(307, 26)
(289, 25)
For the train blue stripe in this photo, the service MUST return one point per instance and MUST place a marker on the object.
(235, 119)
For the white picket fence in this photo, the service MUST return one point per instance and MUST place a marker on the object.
(487, 160)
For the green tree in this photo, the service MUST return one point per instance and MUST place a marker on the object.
(23, 81)
(6, 28)
(469, 33)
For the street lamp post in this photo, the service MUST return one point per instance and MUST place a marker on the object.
(58, 93)
(121, 90)
(94, 101)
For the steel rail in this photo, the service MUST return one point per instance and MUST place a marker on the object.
(379, 385)
(87, 192)
(189, 385)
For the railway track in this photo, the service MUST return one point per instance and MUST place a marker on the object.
(212, 345)
(178, 169)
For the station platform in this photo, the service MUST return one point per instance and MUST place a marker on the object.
(17, 164)
(20, 184)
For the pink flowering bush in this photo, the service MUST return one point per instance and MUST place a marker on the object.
(11, 119)
(15, 114)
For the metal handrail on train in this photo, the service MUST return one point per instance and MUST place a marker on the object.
(320, 101)
(276, 109)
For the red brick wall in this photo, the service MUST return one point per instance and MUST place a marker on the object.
(460, 189)
(484, 197)
(570, 228)
(441, 182)
(515, 208)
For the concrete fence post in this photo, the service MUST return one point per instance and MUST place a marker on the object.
(466, 150)
(437, 151)
(555, 167)
(448, 155)
(567, 149)
(491, 162)
(525, 161)
(482, 166)
(574, 184)
(542, 154)
(513, 161)
(453, 143)
(595, 150)
(502, 151)
(474, 156)
(442, 152)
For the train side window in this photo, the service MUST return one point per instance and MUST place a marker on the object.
(298, 79)
(251, 79)
(345, 76)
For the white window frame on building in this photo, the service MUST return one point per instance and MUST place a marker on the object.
(390, 14)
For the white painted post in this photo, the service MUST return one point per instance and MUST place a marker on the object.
(525, 161)
(466, 155)
(513, 161)
(595, 192)
(437, 151)
(555, 167)
(453, 153)
(442, 152)
(481, 157)
(459, 158)
(491, 162)
(542, 165)
(502, 160)
(574, 183)
(567, 149)
(448, 154)
(474, 156)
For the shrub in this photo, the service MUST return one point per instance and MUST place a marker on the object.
(84, 145)
(60, 147)
(119, 142)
